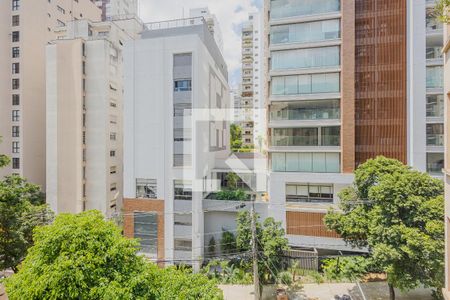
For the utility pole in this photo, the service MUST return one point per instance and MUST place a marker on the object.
(254, 253)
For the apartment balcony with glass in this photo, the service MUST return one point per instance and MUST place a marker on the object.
(435, 135)
(296, 8)
(435, 106)
(306, 58)
(306, 84)
(306, 137)
(434, 53)
(306, 162)
(435, 163)
(435, 77)
(433, 25)
(306, 110)
(306, 32)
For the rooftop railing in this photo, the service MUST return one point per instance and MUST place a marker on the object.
(175, 23)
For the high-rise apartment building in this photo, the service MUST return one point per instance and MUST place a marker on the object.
(26, 27)
(111, 8)
(175, 89)
(337, 96)
(253, 105)
(425, 89)
(84, 115)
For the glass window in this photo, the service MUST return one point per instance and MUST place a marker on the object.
(15, 52)
(306, 32)
(306, 84)
(15, 68)
(183, 245)
(306, 110)
(331, 136)
(15, 99)
(16, 163)
(146, 231)
(113, 136)
(182, 190)
(306, 58)
(295, 137)
(182, 219)
(435, 134)
(15, 36)
(15, 84)
(309, 193)
(435, 163)
(291, 8)
(15, 131)
(306, 162)
(435, 77)
(435, 106)
(182, 85)
(15, 147)
(15, 4)
(146, 188)
(15, 115)
(15, 20)
(182, 160)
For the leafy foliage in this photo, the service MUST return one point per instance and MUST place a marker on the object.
(4, 160)
(350, 268)
(441, 11)
(397, 213)
(231, 194)
(212, 246)
(232, 180)
(22, 208)
(85, 257)
(228, 242)
(227, 272)
(235, 137)
(271, 242)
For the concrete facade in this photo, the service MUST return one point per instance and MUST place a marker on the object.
(27, 26)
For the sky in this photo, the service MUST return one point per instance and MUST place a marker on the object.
(231, 15)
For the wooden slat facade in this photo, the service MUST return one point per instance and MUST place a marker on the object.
(308, 224)
(381, 79)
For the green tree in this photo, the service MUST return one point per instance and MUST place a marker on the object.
(235, 137)
(441, 11)
(397, 213)
(232, 180)
(212, 247)
(228, 242)
(85, 257)
(22, 208)
(271, 243)
(4, 160)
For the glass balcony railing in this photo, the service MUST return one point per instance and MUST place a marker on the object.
(434, 52)
(306, 110)
(435, 77)
(293, 8)
(306, 137)
(435, 139)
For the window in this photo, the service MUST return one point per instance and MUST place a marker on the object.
(306, 84)
(285, 9)
(309, 193)
(113, 187)
(182, 190)
(15, 115)
(435, 106)
(15, 131)
(435, 134)
(113, 170)
(182, 160)
(15, 68)
(15, 84)
(306, 58)
(15, 36)
(113, 136)
(182, 134)
(84, 67)
(15, 4)
(15, 99)
(146, 188)
(435, 77)
(112, 153)
(308, 136)
(182, 85)
(305, 32)
(183, 245)
(15, 52)
(146, 231)
(15, 20)
(306, 162)
(182, 219)
(435, 163)
(306, 110)
(113, 119)
(15, 147)
(16, 163)
(182, 109)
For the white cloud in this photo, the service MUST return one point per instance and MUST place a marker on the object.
(231, 14)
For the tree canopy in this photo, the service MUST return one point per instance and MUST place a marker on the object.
(235, 137)
(85, 257)
(398, 214)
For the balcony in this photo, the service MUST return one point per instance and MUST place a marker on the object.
(306, 137)
(306, 110)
